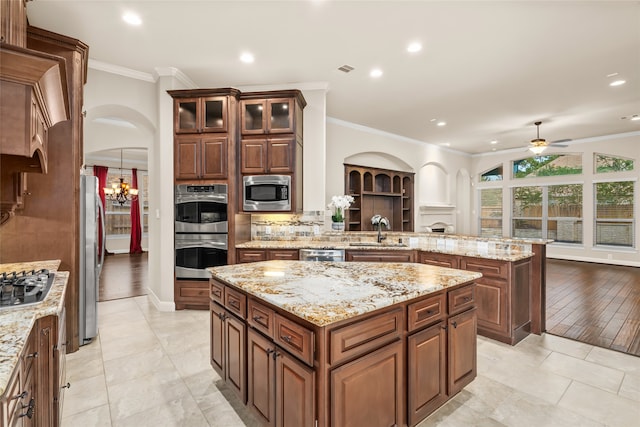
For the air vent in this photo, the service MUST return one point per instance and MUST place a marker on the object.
(346, 68)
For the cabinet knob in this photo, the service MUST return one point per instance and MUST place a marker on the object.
(286, 338)
(455, 324)
(257, 318)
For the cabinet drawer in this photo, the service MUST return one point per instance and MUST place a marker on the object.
(251, 255)
(294, 338)
(488, 267)
(217, 291)
(235, 302)
(283, 254)
(260, 317)
(365, 335)
(441, 260)
(424, 312)
(461, 299)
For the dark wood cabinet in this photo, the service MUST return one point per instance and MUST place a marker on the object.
(270, 115)
(200, 157)
(255, 255)
(280, 389)
(427, 366)
(268, 156)
(369, 391)
(380, 256)
(439, 259)
(13, 22)
(201, 114)
(191, 294)
(379, 192)
(17, 408)
(228, 337)
(462, 350)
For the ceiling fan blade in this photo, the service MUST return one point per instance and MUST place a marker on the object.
(560, 141)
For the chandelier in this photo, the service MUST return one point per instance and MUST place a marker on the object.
(122, 191)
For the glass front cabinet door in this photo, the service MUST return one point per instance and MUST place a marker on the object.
(267, 116)
(198, 115)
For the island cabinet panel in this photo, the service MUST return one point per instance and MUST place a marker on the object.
(217, 339)
(280, 389)
(261, 318)
(426, 311)
(441, 260)
(462, 348)
(503, 296)
(364, 336)
(380, 256)
(461, 299)
(426, 372)
(294, 338)
(370, 390)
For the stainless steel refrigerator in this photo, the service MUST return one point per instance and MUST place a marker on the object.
(91, 259)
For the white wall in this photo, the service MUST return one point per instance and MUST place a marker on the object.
(346, 142)
(622, 145)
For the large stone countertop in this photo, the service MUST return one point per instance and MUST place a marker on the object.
(16, 322)
(327, 292)
(445, 246)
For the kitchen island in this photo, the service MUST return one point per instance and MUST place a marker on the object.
(343, 344)
(32, 353)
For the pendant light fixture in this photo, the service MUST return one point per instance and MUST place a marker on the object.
(122, 191)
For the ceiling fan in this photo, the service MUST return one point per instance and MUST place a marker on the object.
(538, 145)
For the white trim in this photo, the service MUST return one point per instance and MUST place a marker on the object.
(284, 86)
(160, 305)
(122, 71)
(176, 73)
(598, 181)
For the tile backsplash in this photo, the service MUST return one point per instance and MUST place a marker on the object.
(308, 224)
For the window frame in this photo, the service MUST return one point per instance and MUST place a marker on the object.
(632, 220)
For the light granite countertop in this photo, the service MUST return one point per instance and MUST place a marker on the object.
(16, 322)
(458, 249)
(327, 292)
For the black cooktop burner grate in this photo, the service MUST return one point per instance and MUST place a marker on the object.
(25, 287)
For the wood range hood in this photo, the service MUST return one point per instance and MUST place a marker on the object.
(34, 97)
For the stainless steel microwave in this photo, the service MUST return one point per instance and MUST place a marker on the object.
(266, 193)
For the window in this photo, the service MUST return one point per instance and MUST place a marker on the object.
(604, 163)
(550, 212)
(491, 212)
(118, 217)
(494, 174)
(564, 213)
(614, 221)
(551, 165)
(527, 212)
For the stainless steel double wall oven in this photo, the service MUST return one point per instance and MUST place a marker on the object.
(201, 229)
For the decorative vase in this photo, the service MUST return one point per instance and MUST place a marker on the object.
(337, 226)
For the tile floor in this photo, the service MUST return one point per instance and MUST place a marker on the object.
(151, 368)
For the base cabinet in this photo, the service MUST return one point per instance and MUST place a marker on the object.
(280, 389)
(380, 256)
(462, 346)
(369, 390)
(191, 294)
(228, 335)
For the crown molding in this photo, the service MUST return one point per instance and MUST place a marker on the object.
(121, 71)
(175, 73)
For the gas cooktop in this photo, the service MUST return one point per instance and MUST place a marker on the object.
(18, 289)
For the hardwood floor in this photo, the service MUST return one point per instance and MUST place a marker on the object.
(597, 304)
(123, 276)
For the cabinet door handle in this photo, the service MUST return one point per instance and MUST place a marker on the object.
(257, 318)
(67, 385)
(32, 355)
(455, 324)
(444, 327)
(21, 395)
(275, 354)
(270, 350)
(30, 408)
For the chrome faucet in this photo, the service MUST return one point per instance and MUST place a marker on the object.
(379, 221)
(380, 236)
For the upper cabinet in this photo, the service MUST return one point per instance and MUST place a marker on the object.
(263, 116)
(382, 192)
(204, 133)
(199, 115)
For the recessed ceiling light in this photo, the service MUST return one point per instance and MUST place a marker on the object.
(617, 83)
(442, 123)
(494, 142)
(635, 117)
(414, 47)
(247, 57)
(376, 72)
(132, 18)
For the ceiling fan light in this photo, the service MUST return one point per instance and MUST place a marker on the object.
(537, 149)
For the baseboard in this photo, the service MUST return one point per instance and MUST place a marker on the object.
(159, 304)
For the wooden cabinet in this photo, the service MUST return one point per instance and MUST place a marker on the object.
(228, 335)
(503, 297)
(255, 255)
(201, 114)
(439, 259)
(380, 256)
(462, 350)
(370, 390)
(200, 157)
(280, 389)
(379, 192)
(191, 294)
(17, 408)
(205, 134)
(13, 22)
(269, 115)
(268, 156)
